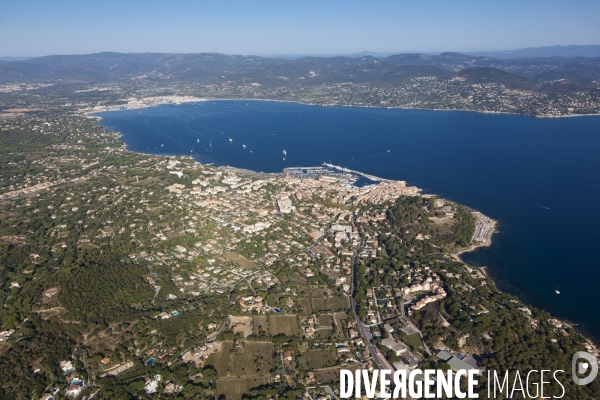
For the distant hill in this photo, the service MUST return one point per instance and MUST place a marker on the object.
(211, 68)
(494, 75)
(548, 51)
(14, 58)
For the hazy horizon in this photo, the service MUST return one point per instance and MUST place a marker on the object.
(297, 55)
(37, 28)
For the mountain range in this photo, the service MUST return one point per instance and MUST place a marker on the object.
(565, 73)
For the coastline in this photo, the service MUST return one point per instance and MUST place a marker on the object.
(176, 100)
(593, 341)
(456, 255)
(476, 245)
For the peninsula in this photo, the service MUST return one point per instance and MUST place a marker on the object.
(134, 275)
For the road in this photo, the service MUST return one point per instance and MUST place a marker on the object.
(157, 288)
(309, 251)
(376, 305)
(214, 335)
(330, 392)
(364, 330)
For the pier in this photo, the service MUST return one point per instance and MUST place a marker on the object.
(331, 170)
(350, 171)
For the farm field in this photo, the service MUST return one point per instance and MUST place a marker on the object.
(220, 359)
(253, 358)
(234, 388)
(283, 325)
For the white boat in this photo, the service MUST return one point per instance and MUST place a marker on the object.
(210, 143)
(556, 290)
(197, 140)
(285, 153)
(244, 146)
(162, 145)
(231, 140)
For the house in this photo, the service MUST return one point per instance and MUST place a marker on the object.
(457, 364)
(471, 361)
(399, 365)
(75, 387)
(410, 362)
(394, 345)
(164, 315)
(309, 333)
(388, 328)
(289, 356)
(67, 366)
(444, 355)
(4, 335)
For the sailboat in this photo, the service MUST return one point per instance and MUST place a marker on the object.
(556, 290)
(210, 143)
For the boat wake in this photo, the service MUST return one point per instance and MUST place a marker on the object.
(544, 207)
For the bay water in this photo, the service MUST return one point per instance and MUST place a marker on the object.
(539, 177)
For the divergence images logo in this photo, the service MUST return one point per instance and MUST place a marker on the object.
(582, 367)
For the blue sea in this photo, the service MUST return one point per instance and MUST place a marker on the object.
(540, 178)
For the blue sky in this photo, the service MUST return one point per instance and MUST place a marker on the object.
(35, 28)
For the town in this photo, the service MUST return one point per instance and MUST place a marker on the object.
(162, 276)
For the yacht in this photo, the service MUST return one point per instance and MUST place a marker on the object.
(556, 290)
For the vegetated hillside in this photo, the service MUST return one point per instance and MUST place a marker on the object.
(542, 68)
(214, 67)
(312, 74)
(574, 69)
(494, 75)
(115, 65)
(546, 51)
(512, 81)
(450, 61)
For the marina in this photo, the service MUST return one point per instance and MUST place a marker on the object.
(438, 152)
(346, 176)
